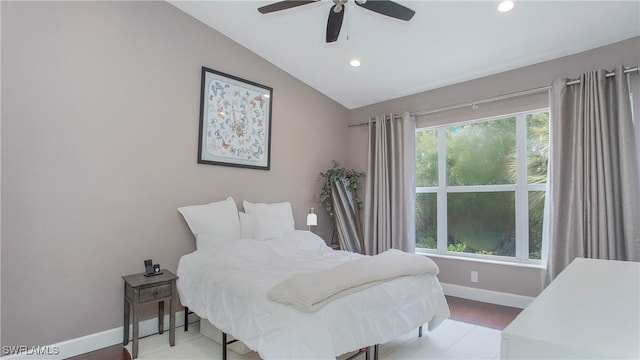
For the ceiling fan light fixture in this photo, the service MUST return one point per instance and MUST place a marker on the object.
(354, 62)
(505, 6)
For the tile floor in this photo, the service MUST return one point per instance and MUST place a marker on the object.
(451, 340)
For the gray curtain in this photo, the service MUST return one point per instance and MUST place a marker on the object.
(593, 176)
(390, 185)
(345, 211)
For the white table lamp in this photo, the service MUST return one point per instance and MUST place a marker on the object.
(312, 218)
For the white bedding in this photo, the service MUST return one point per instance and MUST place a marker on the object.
(227, 284)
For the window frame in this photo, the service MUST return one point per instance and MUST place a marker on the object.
(521, 191)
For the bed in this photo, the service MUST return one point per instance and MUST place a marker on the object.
(227, 282)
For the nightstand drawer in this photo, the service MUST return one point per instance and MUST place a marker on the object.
(155, 292)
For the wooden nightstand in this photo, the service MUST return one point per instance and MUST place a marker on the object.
(140, 289)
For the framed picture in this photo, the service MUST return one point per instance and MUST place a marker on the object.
(235, 121)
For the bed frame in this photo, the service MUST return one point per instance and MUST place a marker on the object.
(224, 344)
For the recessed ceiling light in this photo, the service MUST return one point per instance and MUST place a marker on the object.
(505, 6)
(354, 62)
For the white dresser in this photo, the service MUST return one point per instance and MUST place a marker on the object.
(591, 310)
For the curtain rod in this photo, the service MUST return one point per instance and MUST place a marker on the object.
(496, 98)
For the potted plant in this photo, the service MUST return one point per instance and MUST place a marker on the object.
(351, 178)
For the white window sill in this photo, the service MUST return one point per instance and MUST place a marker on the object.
(533, 264)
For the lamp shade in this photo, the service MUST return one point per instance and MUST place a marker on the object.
(312, 218)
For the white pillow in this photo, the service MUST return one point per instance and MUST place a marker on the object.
(260, 227)
(267, 227)
(274, 210)
(209, 223)
(246, 225)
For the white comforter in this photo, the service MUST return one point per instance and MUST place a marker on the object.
(227, 284)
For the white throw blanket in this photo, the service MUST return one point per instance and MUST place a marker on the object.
(310, 291)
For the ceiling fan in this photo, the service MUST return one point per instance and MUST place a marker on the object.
(336, 14)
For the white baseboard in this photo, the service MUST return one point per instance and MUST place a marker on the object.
(488, 296)
(92, 342)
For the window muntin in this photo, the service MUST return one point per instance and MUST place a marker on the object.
(494, 175)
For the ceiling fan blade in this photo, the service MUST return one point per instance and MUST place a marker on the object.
(388, 8)
(334, 23)
(282, 5)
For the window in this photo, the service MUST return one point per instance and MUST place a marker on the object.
(480, 187)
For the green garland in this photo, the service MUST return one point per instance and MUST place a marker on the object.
(351, 177)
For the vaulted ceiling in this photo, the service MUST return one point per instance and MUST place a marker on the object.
(446, 42)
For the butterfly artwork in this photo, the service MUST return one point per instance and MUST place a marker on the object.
(215, 87)
(258, 153)
(235, 121)
(221, 112)
(260, 99)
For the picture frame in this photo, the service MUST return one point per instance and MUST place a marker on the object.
(235, 121)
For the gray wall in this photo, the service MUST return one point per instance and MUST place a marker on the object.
(98, 144)
(99, 140)
(503, 278)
